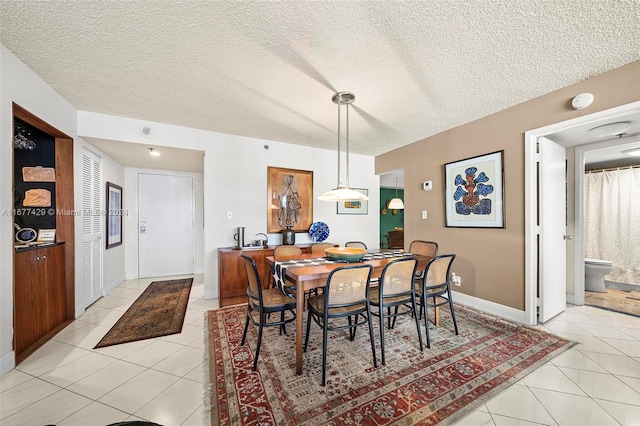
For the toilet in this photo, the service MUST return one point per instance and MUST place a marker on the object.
(594, 273)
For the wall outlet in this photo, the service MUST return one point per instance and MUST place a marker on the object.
(456, 279)
(229, 215)
(424, 214)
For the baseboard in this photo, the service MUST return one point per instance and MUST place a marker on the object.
(7, 363)
(571, 299)
(112, 285)
(490, 307)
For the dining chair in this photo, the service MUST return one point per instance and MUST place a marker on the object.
(262, 303)
(396, 289)
(319, 248)
(358, 244)
(346, 295)
(437, 287)
(284, 253)
(425, 248)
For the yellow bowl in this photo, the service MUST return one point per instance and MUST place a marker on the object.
(345, 253)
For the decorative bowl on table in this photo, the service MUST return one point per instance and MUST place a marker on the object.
(350, 254)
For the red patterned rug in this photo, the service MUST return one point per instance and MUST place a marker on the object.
(439, 385)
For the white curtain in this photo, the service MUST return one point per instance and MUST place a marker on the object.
(612, 221)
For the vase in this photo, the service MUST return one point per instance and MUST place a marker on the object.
(288, 236)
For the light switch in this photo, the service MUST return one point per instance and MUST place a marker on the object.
(424, 214)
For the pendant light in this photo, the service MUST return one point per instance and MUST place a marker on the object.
(340, 192)
(396, 203)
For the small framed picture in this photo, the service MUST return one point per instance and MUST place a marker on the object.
(474, 192)
(46, 236)
(114, 215)
(354, 207)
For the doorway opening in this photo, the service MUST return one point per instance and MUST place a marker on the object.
(569, 134)
(391, 219)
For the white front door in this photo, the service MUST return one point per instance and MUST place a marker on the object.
(92, 222)
(552, 198)
(166, 225)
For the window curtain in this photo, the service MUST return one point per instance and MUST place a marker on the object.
(612, 221)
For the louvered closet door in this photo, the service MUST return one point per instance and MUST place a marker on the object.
(92, 221)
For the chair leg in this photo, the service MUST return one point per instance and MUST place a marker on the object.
(283, 329)
(373, 343)
(255, 360)
(324, 351)
(453, 315)
(382, 334)
(306, 337)
(426, 317)
(246, 327)
(415, 316)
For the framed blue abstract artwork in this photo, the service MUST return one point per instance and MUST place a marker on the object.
(474, 192)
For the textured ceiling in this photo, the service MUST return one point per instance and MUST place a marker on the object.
(268, 69)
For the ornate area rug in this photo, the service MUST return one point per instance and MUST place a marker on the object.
(159, 311)
(439, 385)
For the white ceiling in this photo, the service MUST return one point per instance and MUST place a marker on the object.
(269, 69)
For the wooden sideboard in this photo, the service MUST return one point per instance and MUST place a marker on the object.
(232, 277)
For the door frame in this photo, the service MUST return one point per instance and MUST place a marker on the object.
(531, 205)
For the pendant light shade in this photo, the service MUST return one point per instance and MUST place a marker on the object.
(396, 203)
(342, 192)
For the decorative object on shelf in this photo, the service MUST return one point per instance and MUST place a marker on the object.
(319, 231)
(343, 193)
(350, 254)
(396, 203)
(474, 192)
(114, 215)
(354, 207)
(288, 236)
(289, 199)
(38, 174)
(22, 140)
(25, 235)
(239, 237)
(37, 198)
(46, 235)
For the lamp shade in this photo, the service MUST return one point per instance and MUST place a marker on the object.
(343, 194)
(396, 203)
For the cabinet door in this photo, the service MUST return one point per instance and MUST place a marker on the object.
(51, 285)
(232, 276)
(27, 322)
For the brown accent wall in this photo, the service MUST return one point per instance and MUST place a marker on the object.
(491, 261)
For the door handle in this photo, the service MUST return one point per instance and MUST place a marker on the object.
(568, 237)
(143, 227)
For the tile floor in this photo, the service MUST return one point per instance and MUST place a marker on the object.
(66, 382)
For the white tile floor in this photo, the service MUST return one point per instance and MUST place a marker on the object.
(66, 382)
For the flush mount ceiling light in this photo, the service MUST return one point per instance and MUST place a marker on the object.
(153, 152)
(634, 152)
(611, 129)
(340, 192)
(396, 203)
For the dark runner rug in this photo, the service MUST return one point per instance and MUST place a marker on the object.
(159, 311)
(438, 385)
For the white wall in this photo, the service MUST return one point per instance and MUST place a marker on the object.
(112, 259)
(235, 179)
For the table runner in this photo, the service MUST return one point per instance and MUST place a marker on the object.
(280, 267)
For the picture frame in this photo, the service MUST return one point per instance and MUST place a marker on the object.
(114, 215)
(289, 199)
(354, 207)
(474, 192)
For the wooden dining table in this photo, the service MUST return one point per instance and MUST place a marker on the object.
(306, 278)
